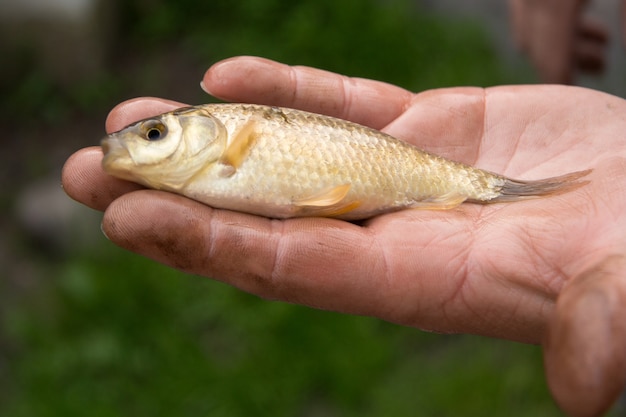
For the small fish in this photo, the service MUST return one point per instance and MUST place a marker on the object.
(281, 163)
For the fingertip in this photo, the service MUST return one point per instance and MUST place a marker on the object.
(245, 79)
(136, 109)
(204, 88)
(76, 171)
(84, 180)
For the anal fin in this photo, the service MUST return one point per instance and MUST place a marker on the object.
(446, 201)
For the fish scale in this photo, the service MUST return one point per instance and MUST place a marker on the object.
(280, 163)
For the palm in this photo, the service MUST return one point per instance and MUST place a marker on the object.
(522, 252)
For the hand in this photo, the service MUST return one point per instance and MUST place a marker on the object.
(558, 38)
(546, 271)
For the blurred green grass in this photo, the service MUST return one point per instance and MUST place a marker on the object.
(110, 333)
(116, 334)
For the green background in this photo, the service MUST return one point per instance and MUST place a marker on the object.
(97, 331)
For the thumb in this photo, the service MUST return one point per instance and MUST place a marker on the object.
(585, 347)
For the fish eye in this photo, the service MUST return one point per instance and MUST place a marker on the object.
(154, 130)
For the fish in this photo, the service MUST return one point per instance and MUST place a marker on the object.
(281, 163)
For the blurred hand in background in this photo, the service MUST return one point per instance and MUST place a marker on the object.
(547, 271)
(559, 38)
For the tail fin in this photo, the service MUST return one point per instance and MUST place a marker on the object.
(514, 190)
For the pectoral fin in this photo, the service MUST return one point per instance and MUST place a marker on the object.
(238, 149)
(444, 202)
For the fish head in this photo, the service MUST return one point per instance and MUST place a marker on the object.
(164, 151)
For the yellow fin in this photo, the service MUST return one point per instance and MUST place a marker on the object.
(238, 149)
(340, 210)
(444, 202)
(324, 198)
(329, 211)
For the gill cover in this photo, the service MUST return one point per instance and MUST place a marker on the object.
(204, 136)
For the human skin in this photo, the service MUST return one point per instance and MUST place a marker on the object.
(549, 270)
(559, 38)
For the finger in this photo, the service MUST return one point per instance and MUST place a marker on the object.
(552, 27)
(585, 349)
(552, 38)
(518, 15)
(84, 180)
(133, 110)
(594, 30)
(589, 57)
(590, 47)
(322, 263)
(257, 80)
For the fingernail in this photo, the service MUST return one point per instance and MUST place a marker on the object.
(103, 232)
(203, 87)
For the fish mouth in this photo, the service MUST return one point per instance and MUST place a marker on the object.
(110, 144)
(106, 146)
(114, 151)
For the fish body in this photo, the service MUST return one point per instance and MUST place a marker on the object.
(281, 163)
